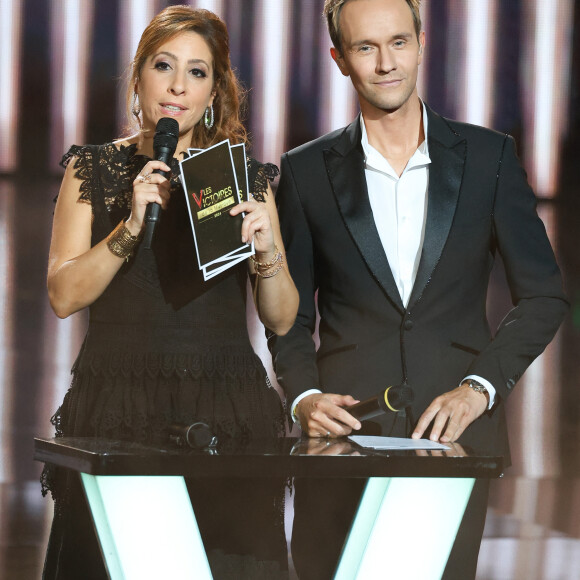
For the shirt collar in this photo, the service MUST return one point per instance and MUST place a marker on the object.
(374, 160)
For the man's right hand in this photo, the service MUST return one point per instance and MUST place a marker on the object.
(324, 415)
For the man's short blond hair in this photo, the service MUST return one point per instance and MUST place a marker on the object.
(333, 8)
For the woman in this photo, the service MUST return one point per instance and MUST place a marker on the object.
(163, 346)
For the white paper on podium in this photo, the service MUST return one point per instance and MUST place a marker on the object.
(395, 443)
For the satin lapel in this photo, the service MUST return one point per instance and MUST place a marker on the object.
(447, 151)
(345, 167)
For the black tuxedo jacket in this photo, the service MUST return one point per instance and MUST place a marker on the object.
(479, 203)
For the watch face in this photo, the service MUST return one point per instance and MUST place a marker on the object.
(478, 387)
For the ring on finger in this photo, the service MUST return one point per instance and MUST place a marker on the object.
(145, 178)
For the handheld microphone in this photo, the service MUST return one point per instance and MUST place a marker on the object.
(196, 435)
(164, 145)
(391, 400)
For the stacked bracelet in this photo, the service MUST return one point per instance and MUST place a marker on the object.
(121, 242)
(271, 268)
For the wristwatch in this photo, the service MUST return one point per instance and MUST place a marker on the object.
(477, 387)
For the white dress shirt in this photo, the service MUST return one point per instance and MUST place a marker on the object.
(399, 205)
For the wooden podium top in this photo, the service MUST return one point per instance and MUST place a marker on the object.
(283, 457)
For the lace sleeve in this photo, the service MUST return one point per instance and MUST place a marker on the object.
(84, 163)
(259, 175)
(107, 171)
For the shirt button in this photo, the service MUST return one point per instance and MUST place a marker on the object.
(408, 324)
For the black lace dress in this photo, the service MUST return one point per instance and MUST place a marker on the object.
(164, 346)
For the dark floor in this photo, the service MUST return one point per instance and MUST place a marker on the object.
(533, 527)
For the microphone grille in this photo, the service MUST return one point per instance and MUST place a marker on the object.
(400, 396)
(166, 133)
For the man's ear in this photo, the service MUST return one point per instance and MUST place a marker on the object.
(339, 60)
(421, 44)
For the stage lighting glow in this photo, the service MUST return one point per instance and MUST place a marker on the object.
(338, 98)
(10, 30)
(551, 47)
(271, 58)
(7, 192)
(216, 6)
(134, 16)
(422, 76)
(71, 26)
(540, 397)
(479, 62)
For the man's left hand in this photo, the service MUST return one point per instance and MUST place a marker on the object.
(451, 414)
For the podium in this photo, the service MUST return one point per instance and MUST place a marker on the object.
(147, 528)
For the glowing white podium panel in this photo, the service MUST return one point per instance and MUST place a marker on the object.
(146, 527)
(405, 526)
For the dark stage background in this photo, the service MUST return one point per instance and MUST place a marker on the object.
(512, 65)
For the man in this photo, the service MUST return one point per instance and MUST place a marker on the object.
(395, 221)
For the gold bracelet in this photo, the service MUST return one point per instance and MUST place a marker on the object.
(266, 265)
(121, 242)
(268, 272)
